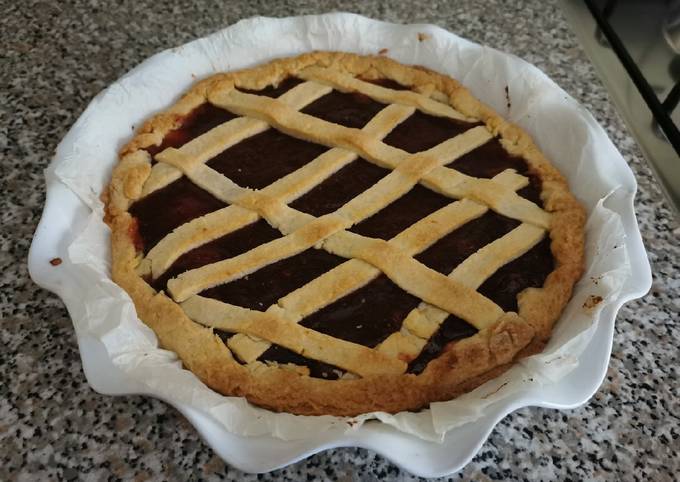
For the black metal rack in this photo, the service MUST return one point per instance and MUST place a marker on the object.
(660, 110)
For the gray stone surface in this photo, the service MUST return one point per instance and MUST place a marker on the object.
(55, 56)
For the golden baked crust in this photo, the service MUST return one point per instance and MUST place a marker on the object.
(378, 382)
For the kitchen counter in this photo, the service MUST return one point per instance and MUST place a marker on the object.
(56, 58)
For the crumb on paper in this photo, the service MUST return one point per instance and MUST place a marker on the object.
(422, 36)
(55, 261)
(507, 97)
(383, 51)
(548, 362)
(592, 302)
(495, 391)
(596, 279)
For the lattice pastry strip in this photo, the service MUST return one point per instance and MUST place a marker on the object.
(407, 170)
(421, 323)
(277, 214)
(165, 253)
(424, 321)
(218, 139)
(349, 356)
(448, 182)
(348, 83)
(224, 221)
(437, 106)
(421, 281)
(355, 273)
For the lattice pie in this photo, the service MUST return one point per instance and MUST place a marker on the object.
(337, 234)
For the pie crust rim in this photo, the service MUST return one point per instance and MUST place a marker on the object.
(460, 368)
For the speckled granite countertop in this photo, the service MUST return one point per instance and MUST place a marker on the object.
(55, 58)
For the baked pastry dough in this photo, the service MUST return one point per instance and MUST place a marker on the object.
(338, 234)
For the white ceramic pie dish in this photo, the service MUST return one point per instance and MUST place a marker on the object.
(65, 215)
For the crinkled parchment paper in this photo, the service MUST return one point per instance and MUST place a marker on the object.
(563, 130)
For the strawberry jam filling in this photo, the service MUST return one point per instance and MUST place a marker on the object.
(370, 314)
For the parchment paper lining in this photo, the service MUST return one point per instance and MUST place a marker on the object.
(85, 157)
